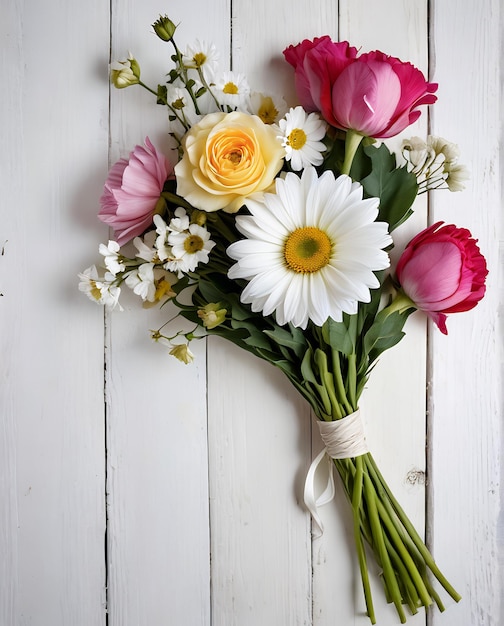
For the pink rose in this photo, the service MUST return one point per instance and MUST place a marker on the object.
(132, 191)
(374, 94)
(442, 271)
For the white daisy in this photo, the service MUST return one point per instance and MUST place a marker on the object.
(268, 108)
(203, 56)
(100, 289)
(188, 248)
(311, 249)
(301, 137)
(232, 90)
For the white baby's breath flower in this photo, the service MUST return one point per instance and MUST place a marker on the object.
(112, 258)
(146, 247)
(141, 281)
(435, 163)
(162, 247)
(100, 289)
(180, 222)
(456, 176)
(301, 135)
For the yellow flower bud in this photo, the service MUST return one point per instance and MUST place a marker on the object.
(212, 315)
(182, 353)
(125, 73)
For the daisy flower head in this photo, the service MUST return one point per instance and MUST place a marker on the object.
(201, 56)
(100, 289)
(310, 249)
(268, 108)
(189, 247)
(232, 90)
(301, 135)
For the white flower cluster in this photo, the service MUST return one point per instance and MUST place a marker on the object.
(173, 248)
(435, 163)
(196, 88)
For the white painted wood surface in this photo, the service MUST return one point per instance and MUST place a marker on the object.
(171, 493)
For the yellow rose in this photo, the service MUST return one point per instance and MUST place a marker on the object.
(227, 157)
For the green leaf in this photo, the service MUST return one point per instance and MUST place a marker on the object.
(337, 335)
(162, 94)
(385, 332)
(295, 341)
(396, 187)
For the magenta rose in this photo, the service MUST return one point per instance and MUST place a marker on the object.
(374, 95)
(132, 191)
(442, 271)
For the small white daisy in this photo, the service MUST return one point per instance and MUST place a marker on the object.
(232, 90)
(189, 248)
(100, 289)
(270, 109)
(203, 56)
(310, 249)
(301, 137)
(112, 258)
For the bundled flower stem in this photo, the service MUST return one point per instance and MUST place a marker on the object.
(272, 231)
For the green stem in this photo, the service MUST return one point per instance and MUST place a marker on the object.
(426, 555)
(338, 379)
(352, 142)
(361, 554)
(379, 541)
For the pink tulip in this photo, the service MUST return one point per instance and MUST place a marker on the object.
(132, 191)
(374, 95)
(442, 271)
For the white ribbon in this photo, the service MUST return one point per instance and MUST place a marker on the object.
(343, 439)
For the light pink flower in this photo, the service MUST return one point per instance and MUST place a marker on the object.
(442, 271)
(132, 190)
(372, 94)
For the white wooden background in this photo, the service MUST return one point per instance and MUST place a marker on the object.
(136, 491)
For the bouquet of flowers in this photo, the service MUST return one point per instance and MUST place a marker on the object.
(272, 230)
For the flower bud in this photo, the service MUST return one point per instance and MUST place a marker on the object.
(212, 315)
(182, 353)
(125, 73)
(164, 28)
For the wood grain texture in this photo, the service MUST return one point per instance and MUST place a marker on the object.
(466, 394)
(54, 144)
(158, 538)
(205, 463)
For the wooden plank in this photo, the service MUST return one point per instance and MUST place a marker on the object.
(466, 391)
(393, 403)
(259, 428)
(54, 139)
(157, 464)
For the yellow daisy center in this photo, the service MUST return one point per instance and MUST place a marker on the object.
(307, 250)
(296, 139)
(95, 291)
(193, 244)
(230, 88)
(267, 111)
(199, 58)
